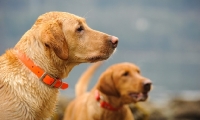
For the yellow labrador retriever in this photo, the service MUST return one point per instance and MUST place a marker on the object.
(120, 85)
(31, 73)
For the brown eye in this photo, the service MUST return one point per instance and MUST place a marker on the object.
(126, 73)
(80, 28)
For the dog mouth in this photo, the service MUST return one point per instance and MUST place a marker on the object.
(103, 56)
(93, 59)
(137, 97)
(97, 58)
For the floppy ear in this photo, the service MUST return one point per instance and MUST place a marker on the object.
(53, 37)
(107, 84)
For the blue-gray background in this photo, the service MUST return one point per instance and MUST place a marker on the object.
(160, 36)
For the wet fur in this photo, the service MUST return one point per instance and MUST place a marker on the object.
(54, 44)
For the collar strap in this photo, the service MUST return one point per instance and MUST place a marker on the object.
(40, 73)
(104, 104)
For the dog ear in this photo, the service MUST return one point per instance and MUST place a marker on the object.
(53, 37)
(107, 85)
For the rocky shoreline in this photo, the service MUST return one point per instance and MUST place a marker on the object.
(179, 106)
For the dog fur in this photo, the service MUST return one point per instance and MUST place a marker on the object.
(57, 42)
(120, 85)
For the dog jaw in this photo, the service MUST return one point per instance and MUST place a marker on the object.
(137, 97)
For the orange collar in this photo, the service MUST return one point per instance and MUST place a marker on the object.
(40, 73)
(105, 104)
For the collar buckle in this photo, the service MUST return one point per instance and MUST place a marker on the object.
(52, 81)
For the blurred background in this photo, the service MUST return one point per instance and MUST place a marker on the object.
(161, 36)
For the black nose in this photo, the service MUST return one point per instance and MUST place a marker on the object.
(114, 40)
(147, 86)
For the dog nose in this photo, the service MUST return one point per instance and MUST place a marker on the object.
(114, 41)
(147, 86)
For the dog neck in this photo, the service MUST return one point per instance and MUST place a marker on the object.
(106, 105)
(40, 73)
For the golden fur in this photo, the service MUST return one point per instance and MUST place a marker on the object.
(120, 85)
(56, 42)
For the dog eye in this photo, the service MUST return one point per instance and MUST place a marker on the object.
(80, 28)
(125, 73)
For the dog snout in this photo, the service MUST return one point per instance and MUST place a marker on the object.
(147, 86)
(114, 41)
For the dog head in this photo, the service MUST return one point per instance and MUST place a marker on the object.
(70, 38)
(125, 81)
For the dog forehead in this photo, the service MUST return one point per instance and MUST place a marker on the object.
(125, 65)
(62, 16)
(69, 16)
(120, 68)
